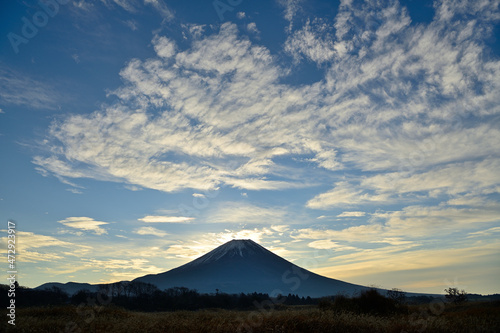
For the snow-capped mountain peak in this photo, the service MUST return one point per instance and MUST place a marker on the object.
(242, 265)
(236, 248)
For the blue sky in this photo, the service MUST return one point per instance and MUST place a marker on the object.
(358, 139)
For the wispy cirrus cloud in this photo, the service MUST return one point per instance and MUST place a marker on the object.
(162, 8)
(410, 223)
(150, 231)
(346, 194)
(290, 11)
(85, 224)
(42, 248)
(241, 212)
(328, 244)
(165, 219)
(392, 80)
(368, 263)
(17, 88)
(351, 214)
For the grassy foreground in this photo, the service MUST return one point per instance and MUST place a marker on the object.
(470, 317)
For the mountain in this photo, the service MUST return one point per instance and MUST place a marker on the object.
(245, 266)
(70, 288)
(238, 266)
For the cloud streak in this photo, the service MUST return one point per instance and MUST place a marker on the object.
(165, 219)
(151, 231)
(85, 224)
(18, 89)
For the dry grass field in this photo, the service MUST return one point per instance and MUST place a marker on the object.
(470, 317)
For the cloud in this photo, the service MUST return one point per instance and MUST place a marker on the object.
(390, 259)
(345, 194)
(203, 152)
(128, 5)
(165, 219)
(362, 233)
(427, 221)
(291, 9)
(252, 27)
(133, 188)
(487, 232)
(307, 42)
(473, 177)
(280, 228)
(164, 47)
(132, 24)
(85, 223)
(70, 232)
(351, 214)
(208, 241)
(16, 88)
(409, 225)
(150, 231)
(407, 112)
(121, 269)
(243, 212)
(195, 30)
(162, 8)
(327, 244)
(453, 179)
(41, 248)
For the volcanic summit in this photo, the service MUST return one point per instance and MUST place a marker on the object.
(243, 266)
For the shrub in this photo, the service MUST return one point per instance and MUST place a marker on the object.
(456, 296)
(370, 301)
(342, 303)
(397, 295)
(325, 303)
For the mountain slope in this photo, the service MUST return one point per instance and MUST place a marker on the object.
(70, 288)
(244, 266)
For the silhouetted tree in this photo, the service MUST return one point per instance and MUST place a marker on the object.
(81, 296)
(397, 295)
(455, 295)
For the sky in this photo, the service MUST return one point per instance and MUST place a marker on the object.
(357, 139)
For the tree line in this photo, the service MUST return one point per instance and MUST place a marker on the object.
(147, 297)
